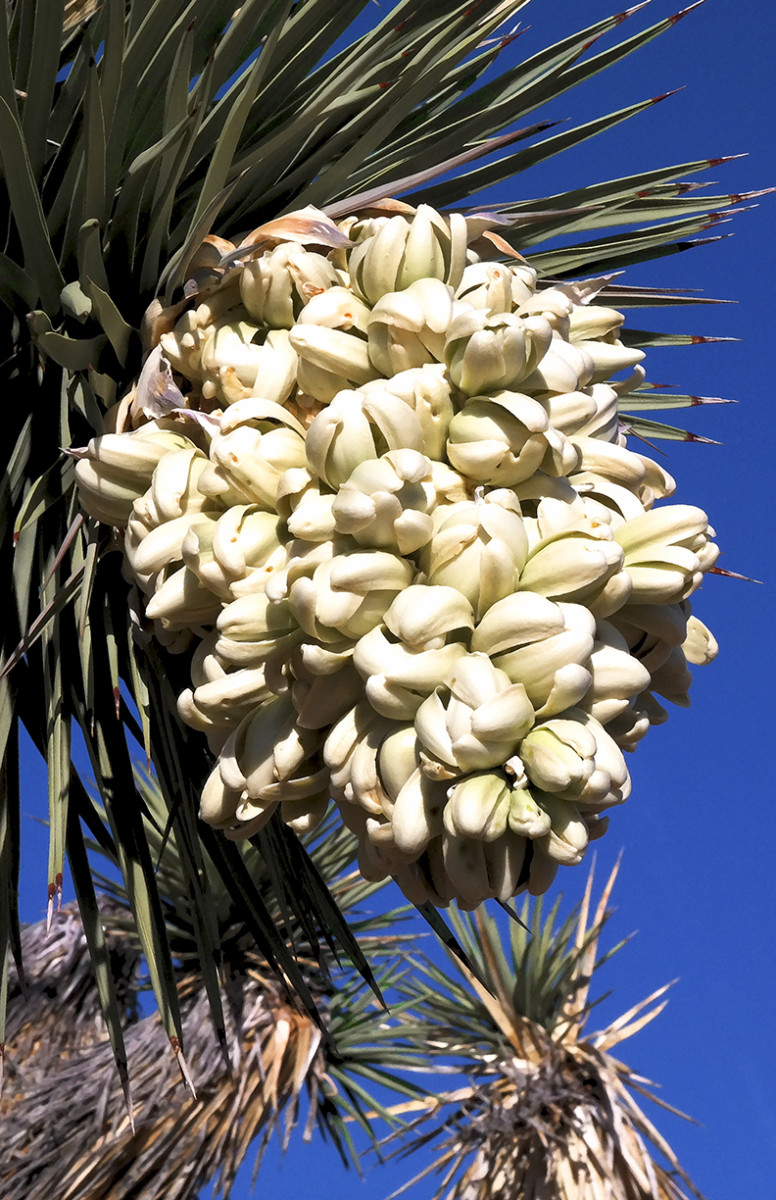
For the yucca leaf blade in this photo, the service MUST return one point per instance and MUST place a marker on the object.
(94, 933)
(39, 259)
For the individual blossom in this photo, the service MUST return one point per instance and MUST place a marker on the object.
(504, 439)
(256, 442)
(573, 757)
(387, 502)
(490, 353)
(419, 641)
(267, 759)
(222, 693)
(542, 645)
(116, 469)
(488, 286)
(239, 359)
(347, 595)
(235, 553)
(330, 339)
(479, 547)
(582, 566)
(562, 368)
(408, 329)
(397, 251)
(428, 392)
(276, 286)
(472, 722)
(357, 426)
(617, 676)
(304, 507)
(667, 552)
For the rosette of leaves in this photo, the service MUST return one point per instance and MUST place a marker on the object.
(549, 1111)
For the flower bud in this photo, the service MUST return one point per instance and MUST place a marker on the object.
(269, 758)
(403, 663)
(407, 329)
(589, 321)
(182, 602)
(478, 806)
(488, 353)
(401, 251)
(500, 440)
(344, 356)
(306, 510)
(337, 308)
(478, 547)
(559, 756)
(386, 502)
(567, 840)
(473, 722)
(609, 357)
(275, 287)
(526, 818)
(554, 305)
(618, 677)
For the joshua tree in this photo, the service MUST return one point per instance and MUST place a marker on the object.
(209, 214)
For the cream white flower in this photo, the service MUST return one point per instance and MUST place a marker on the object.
(399, 251)
(503, 439)
(386, 502)
(488, 353)
(275, 287)
(407, 329)
(474, 721)
(348, 595)
(479, 547)
(257, 441)
(542, 645)
(358, 426)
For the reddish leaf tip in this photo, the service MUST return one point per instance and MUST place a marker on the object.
(733, 575)
(628, 12)
(683, 13)
(665, 95)
(705, 441)
(726, 158)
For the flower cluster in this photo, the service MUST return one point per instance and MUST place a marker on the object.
(383, 484)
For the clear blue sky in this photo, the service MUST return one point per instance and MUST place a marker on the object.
(698, 831)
